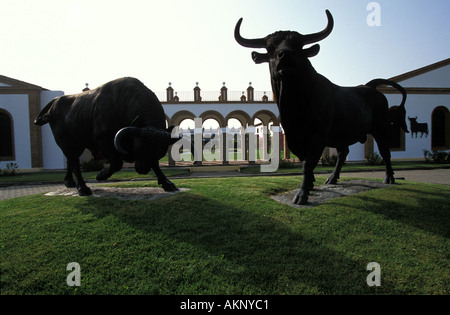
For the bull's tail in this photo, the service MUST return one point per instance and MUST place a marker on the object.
(377, 82)
(44, 116)
(398, 116)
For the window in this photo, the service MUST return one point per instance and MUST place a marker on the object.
(6, 137)
(440, 129)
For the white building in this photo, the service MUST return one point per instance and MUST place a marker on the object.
(21, 142)
(33, 147)
(428, 102)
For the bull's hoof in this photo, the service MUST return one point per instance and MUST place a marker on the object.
(70, 184)
(389, 180)
(331, 181)
(84, 191)
(300, 198)
(170, 187)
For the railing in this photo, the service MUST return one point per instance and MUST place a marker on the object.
(222, 96)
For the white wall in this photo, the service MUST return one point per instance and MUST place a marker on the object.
(356, 153)
(52, 155)
(422, 106)
(17, 106)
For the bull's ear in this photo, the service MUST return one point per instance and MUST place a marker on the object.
(312, 51)
(169, 130)
(260, 58)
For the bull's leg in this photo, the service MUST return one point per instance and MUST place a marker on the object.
(72, 151)
(68, 179)
(309, 164)
(115, 165)
(162, 179)
(386, 155)
(106, 147)
(74, 165)
(342, 156)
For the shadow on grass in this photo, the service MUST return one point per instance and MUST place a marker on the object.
(427, 210)
(259, 255)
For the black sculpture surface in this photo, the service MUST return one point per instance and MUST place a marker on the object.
(121, 120)
(316, 113)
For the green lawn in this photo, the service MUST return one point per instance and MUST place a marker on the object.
(227, 236)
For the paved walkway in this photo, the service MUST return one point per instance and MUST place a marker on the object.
(434, 176)
(24, 190)
(437, 176)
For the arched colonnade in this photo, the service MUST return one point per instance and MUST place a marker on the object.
(239, 119)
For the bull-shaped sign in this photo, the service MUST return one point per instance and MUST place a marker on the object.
(418, 127)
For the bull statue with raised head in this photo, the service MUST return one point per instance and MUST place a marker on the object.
(314, 112)
(121, 120)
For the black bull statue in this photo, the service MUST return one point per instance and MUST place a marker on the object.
(121, 120)
(316, 113)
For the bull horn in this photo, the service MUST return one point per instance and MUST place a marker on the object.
(312, 38)
(160, 135)
(122, 134)
(250, 43)
(150, 132)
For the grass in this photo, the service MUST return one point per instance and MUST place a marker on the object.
(227, 236)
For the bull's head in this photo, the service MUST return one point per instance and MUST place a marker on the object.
(145, 146)
(286, 54)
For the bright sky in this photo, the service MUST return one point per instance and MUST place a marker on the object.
(62, 44)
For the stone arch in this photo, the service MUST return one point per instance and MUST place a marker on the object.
(214, 115)
(264, 143)
(240, 136)
(178, 117)
(266, 117)
(240, 115)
